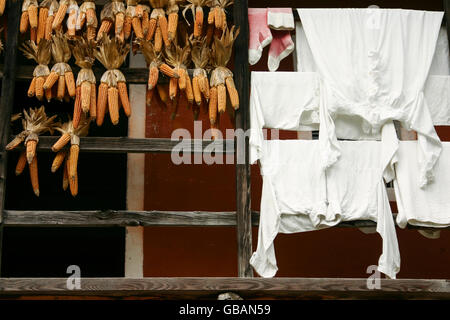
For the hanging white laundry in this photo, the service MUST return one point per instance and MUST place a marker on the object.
(294, 188)
(296, 194)
(283, 100)
(356, 191)
(437, 95)
(373, 64)
(440, 64)
(427, 207)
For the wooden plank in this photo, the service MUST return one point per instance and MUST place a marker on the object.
(247, 288)
(13, 9)
(134, 236)
(134, 145)
(113, 218)
(133, 75)
(243, 192)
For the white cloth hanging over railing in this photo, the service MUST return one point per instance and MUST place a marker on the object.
(373, 64)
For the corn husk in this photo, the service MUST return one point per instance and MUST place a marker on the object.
(61, 53)
(40, 53)
(34, 123)
(84, 53)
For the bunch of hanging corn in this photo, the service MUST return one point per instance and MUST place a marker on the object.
(201, 55)
(69, 133)
(217, 18)
(155, 64)
(196, 7)
(29, 18)
(61, 71)
(52, 11)
(112, 53)
(64, 6)
(40, 53)
(158, 27)
(85, 98)
(88, 16)
(113, 13)
(34, 123)
(132, 20)
(221, 76)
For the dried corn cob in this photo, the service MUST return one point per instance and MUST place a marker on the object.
(102, 102)
(145, 19)
(158, 22)
(73, 165)
(163, 93)
(2, 6)
(66, 175)
(21, 163)
(77, 108)
(123, 94)
(53, 8)
(33, 14)
(24, 21)
(172, 13)
(168, 71)
(149, 97)
(40, 53)
(58, 160)
(151, 29)
(34, 176)
(129, 14)
(43, 16)
(196, 91)
(189, 91)
(61, 142)
(72, 18)
(112, 53)
(60, 14)
(196, 7)
(93, 103)
(213, 105)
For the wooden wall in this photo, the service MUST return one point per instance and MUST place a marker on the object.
(171, 251)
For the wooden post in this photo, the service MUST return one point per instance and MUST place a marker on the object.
(13, 9)
(242, 80)
(134, 239)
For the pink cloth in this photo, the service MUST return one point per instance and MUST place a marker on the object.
(280, 18)
(281, 46)
(260, 35)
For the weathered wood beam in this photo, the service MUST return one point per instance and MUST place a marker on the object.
(123, 218)
(120, 218)
(247, 288)
(134, 145)
(243, 192)
(13, 9)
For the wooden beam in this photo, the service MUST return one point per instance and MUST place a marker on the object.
(13, 9)
(132, 145)
(243, 192)
(247, 288)
(112, 218)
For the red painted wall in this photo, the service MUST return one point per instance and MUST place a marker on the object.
(212, 251)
